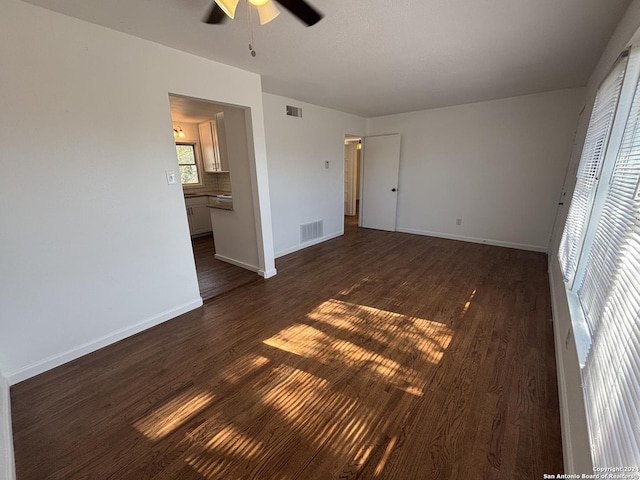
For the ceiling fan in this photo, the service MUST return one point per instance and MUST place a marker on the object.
(267, 11)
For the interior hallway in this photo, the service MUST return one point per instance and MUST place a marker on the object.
(373, 355)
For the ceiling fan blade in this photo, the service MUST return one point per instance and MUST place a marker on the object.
(302, 10)
(215, 16)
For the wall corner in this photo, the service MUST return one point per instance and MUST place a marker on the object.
(7, 462)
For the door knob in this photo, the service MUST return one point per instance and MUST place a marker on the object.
(393, 189)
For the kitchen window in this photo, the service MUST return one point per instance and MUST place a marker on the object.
(188, 163)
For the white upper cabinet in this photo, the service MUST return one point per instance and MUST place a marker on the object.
(213, 144)
(209, 146)
(222, 142)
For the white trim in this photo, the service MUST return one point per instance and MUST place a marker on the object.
(237, 263)
(93, 345)
(268, 273)
(310, 243)
(486, 241)
(7, 461)
(573, 421)
(565, 424)
(581, 335)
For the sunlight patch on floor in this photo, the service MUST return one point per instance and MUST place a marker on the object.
(392, 330)
(300, 393)
(299, 409)
(468, 304)
(386, 455)
(310, 342)
(312, 399)
(242, 367)
(229, 458)
(320, 416)
(169, 416)
(234, 442)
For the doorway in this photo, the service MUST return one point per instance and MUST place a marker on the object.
(201, 135)
(371, 170)
(352, 179)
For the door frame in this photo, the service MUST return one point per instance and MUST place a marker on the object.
(351, 176)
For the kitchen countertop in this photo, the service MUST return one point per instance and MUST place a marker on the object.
(214, 202)
(220, 205)
(192, 195)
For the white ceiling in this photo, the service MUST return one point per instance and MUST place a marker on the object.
(385, 56)
(188, 110)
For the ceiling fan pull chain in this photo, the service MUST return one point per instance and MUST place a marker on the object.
(253, 52)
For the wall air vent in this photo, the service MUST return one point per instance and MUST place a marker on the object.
(310, 231)
(294, 111)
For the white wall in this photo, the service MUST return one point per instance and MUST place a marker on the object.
(577, 456)
(234, 231)
(95, 244)
(497, 165)
(191, 132)
(7, 469)
(302, 190)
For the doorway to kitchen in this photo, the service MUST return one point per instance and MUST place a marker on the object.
(202, 147)
(352, 160)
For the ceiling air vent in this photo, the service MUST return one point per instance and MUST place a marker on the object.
(294, 111)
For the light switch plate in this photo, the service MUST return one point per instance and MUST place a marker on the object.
(171, 177)
(326, 164)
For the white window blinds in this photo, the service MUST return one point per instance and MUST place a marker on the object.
(595, 146)
(610, 298)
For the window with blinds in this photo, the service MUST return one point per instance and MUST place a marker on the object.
(610, 298)
(607, 284)
(589, 168)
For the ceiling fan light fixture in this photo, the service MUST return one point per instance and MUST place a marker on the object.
(228, 7)
(267, 11)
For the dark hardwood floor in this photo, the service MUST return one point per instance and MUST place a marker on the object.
(375, 355)
(216, 277)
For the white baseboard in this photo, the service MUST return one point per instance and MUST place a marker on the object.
(237, 263)
(267, 273)
(304, 245)
(263, 273)
(7, 462)
(88, 347)
(486, 241)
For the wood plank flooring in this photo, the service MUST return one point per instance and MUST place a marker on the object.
(216, 277)
(375, 355)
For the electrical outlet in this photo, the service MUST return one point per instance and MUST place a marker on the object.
(458, 221)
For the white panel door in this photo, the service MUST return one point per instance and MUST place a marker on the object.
(379, 196)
